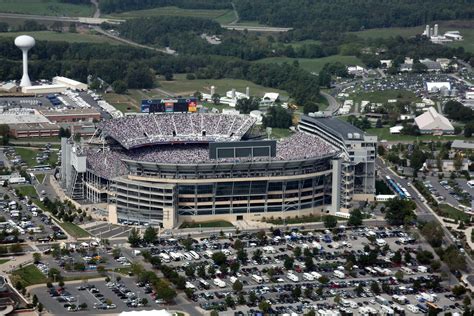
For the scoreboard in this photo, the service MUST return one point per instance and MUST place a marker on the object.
(169, 105)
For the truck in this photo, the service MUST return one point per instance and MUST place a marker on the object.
(218, 282)
(339, 274)
(232, 279)
(204, 284)
(422, 269)
(292, 277)
(381, 300)
(257, 278)
(194, 255)
(316, 275)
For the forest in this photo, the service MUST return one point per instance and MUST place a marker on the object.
(311, 19)
(110, 6)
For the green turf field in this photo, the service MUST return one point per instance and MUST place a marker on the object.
(28, 155)
(454, 213)
(314, 64)
(181, 86)
(45, 7)
(65, 37)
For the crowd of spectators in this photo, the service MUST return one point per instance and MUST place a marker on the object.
(140, 130)
(108, 162)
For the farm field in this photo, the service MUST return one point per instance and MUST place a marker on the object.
(314, 64)
(222, 15)
(64, 37)
(466, 28)
(45, 7)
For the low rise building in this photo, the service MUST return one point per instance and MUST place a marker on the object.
(70, 83)
(431, 122)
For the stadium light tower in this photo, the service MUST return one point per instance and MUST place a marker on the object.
(25, 43)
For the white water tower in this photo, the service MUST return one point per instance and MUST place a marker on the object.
(25, 43)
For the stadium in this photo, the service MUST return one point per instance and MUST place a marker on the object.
(167, 168)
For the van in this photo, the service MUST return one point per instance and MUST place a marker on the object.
(218, 282)
(232, 279)
(413, 309)
(422, 269)
(316, 275)
(204, 284)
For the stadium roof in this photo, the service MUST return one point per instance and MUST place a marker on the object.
(339, 127)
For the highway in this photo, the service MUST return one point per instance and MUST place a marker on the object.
(334, 105)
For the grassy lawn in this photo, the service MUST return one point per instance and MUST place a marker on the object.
(383, 96)
(27, 190)
(45, 7)
(2, 261)
(28, 155)
(298, 44)
(225, 18)
(294, 220)
(384, 134)
(173, 11)
(123, 102)
(314, 64)
(181, 86)
(451, 212)
(29, 275)
(74, 230)
(40, 177)
(65, 37)
(206, 224)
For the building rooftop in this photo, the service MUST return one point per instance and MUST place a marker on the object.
(432, 120)
(19, 116)
(75, 111)
(463, 144)
(339, 127)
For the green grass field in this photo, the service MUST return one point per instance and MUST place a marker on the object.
(383, 96)
(74, 230)
(2, 261)
(384, 134)
(314, 64)
(181, 86)
(27, 190)
(453, 213)
(40, 177)
(278, 133)
(172, 11)
(29, 275)
(206, 224)
(33, 140)
(65, 37)
(45, 7)
(28, 155)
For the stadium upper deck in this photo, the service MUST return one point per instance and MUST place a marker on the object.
(109, 162)
(142, 130)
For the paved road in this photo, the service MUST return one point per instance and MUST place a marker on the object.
(334, 105)
(422, 209)
(97, 10)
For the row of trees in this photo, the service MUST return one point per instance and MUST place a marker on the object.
(110, 6)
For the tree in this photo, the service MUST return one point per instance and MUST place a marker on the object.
(234, 266)
(35, 300)
(150, 235)
(144, 301)
(433, 233)
(264, 306)
(216, 98)
(5, 133)
(164, 291)
(134, 238)
(458, 290)
(219, 258)
(257, 255)
(247, 105)
(288, 263)
(330, 221)
(242, 255)
(278, 117)
(238, 244)
(36, 257)
(297, 252)
(229, 301)
(40, 307)
(252, 297)
(381, 150)
(296, 293)
(469, 129)
(454, 259)
(310, 108)
(375, 288)
(355, 218)
(424, 256)
(119, 86)
(237, 286)
(399, 212)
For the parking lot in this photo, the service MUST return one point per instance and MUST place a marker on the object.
(451, 191)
